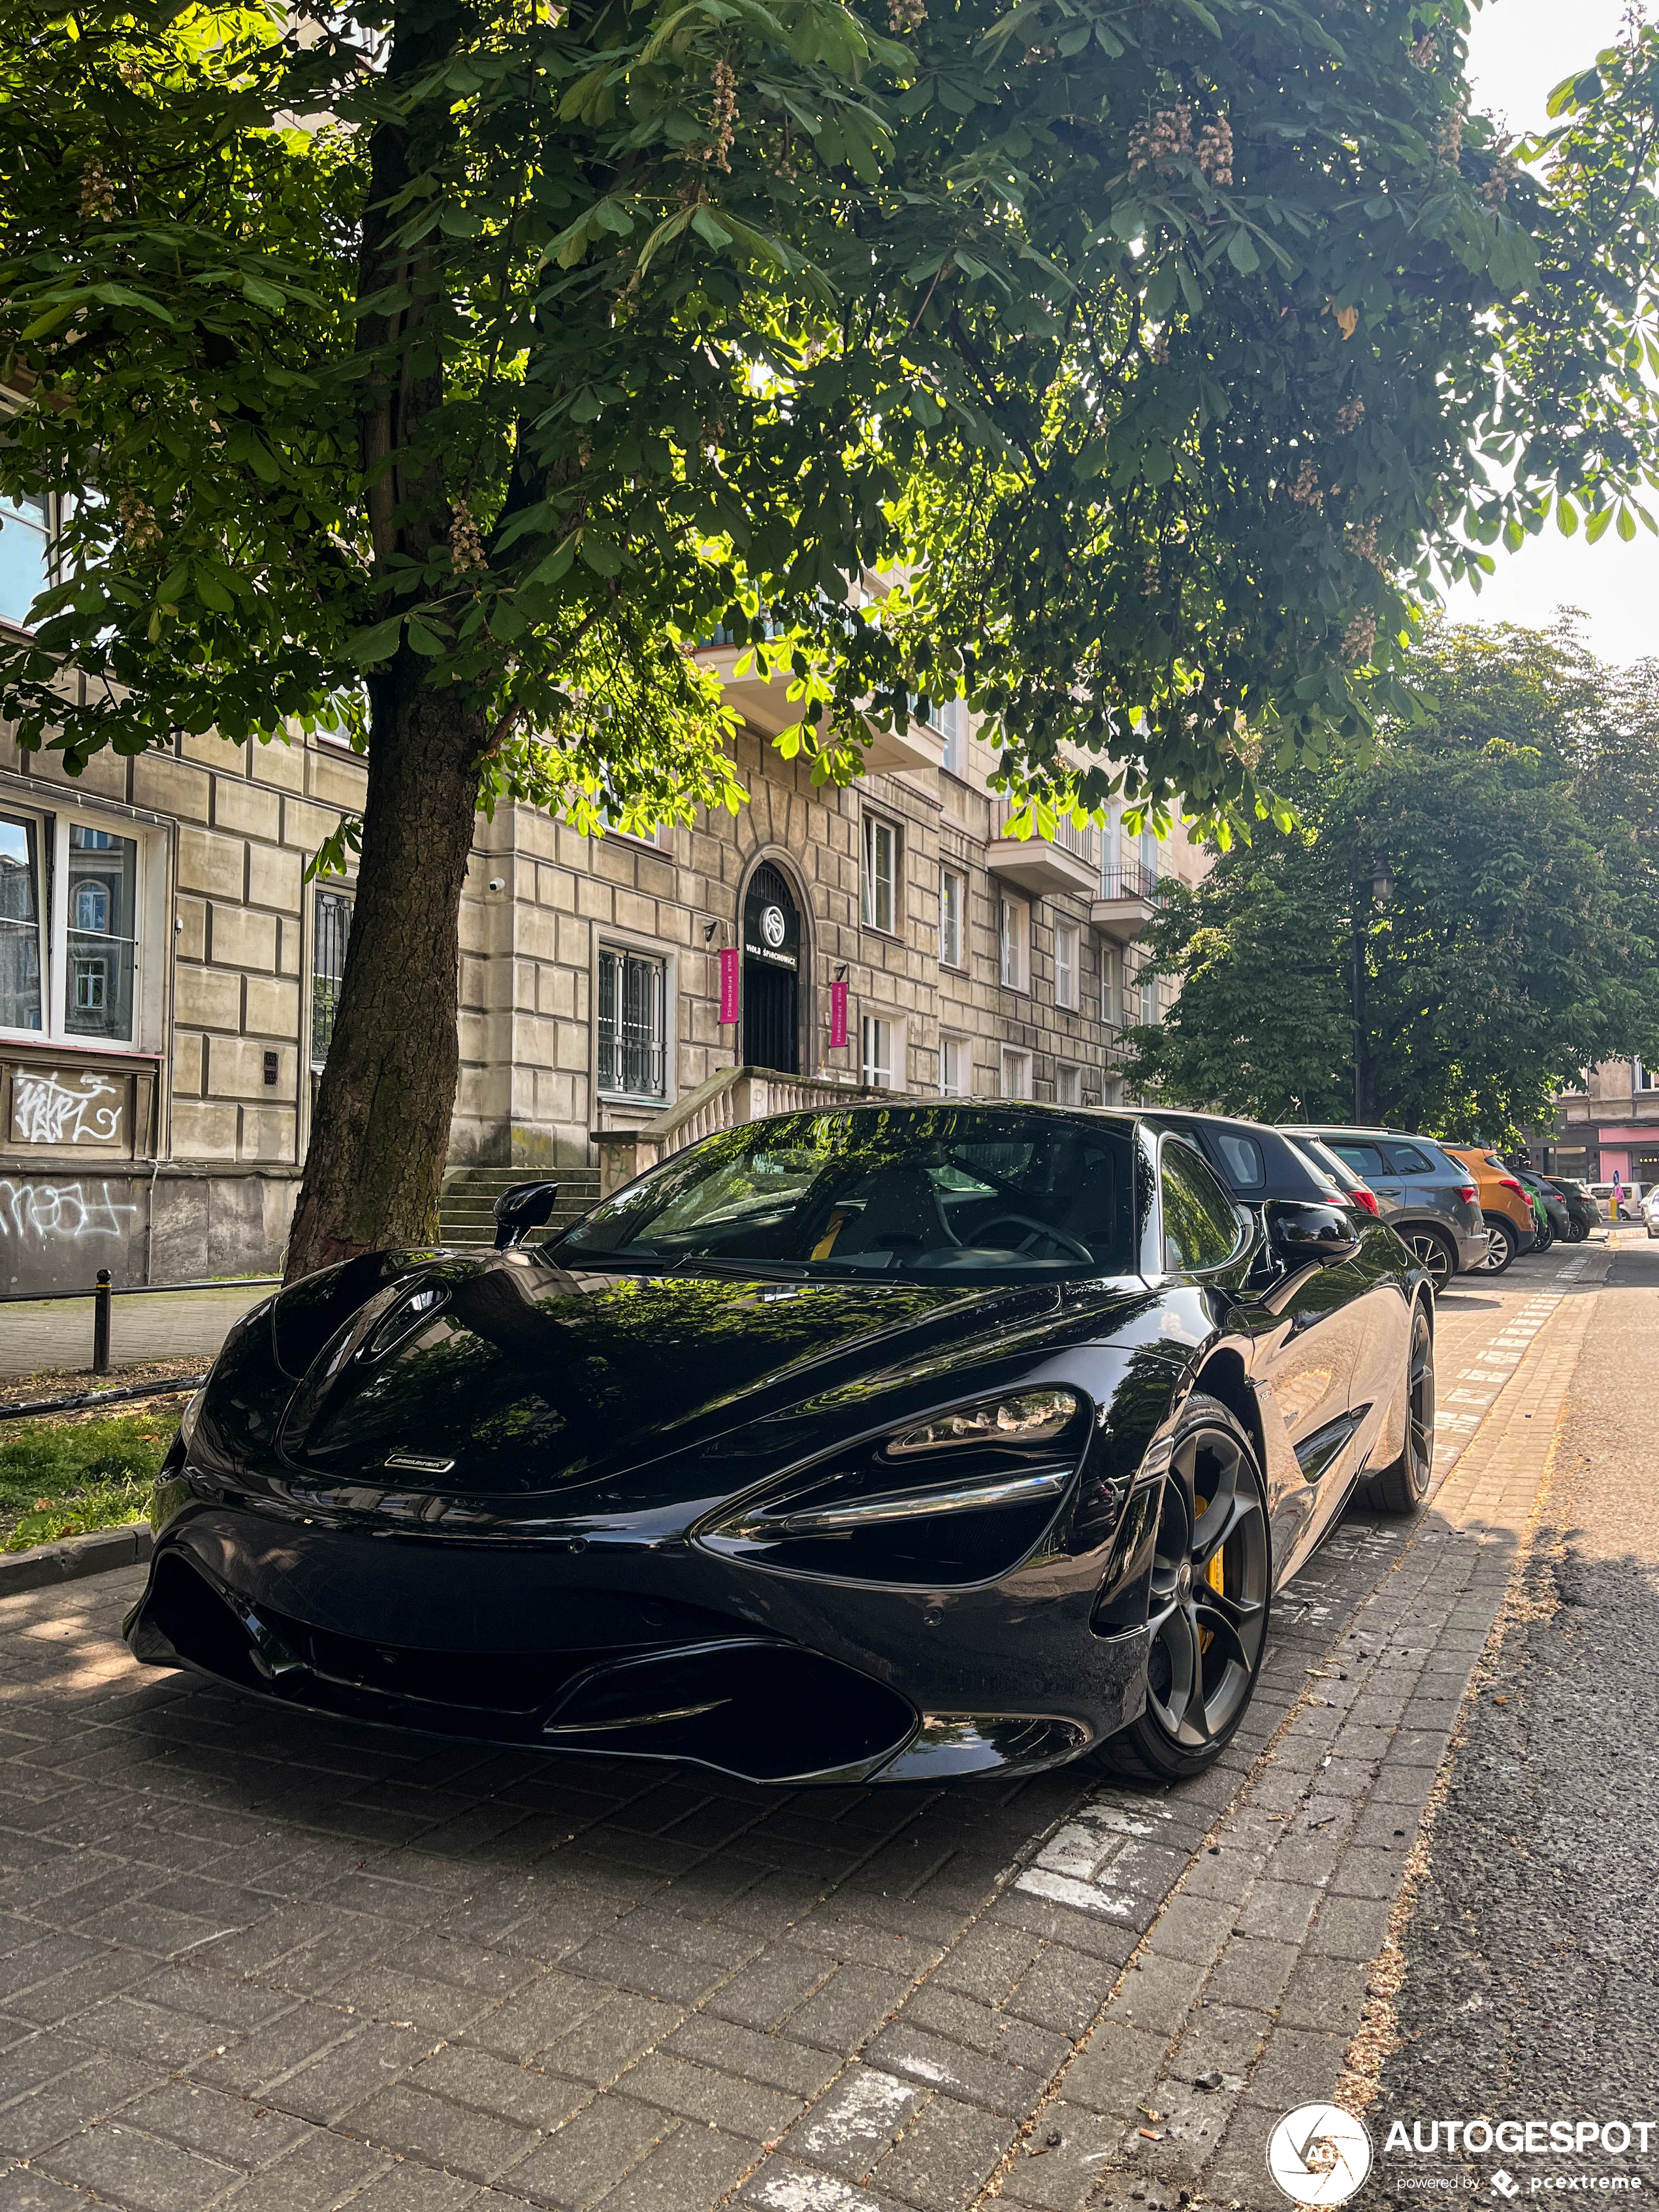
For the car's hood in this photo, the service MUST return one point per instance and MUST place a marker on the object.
(525, 1380)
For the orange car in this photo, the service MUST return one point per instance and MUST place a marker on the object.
(1505, 1205)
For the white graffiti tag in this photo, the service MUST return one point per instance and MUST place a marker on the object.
(47, 1109)
(38, 1213)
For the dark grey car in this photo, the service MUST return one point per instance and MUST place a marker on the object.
(1425, 1196)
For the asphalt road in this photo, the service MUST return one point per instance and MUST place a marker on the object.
(1532, 1980)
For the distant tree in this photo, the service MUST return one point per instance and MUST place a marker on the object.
(1517, 942)
(455, 365)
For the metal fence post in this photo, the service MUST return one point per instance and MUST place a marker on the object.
(102, 1302)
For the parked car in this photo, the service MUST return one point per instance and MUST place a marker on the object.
(1583, 1213)
(1323, 1161)
(1506, 1206)
(887, 1443)
(1651, 1212)
(1425, 1197)
(1558, 1220)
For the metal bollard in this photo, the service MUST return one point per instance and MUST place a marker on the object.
(102, 1302)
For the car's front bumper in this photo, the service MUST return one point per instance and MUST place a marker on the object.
(664, 1651)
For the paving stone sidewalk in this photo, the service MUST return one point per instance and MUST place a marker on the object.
(271, 1962)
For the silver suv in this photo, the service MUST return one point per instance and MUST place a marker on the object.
(1424, 1196)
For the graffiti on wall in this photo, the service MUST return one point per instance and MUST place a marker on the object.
(42, 1214)
(51, 1107)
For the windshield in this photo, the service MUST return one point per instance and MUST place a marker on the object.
(904, 1191)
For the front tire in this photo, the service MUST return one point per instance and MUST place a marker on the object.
(1212, 1592)
(1402, 1487)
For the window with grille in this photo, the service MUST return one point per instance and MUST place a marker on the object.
(955, 726)
(332, 932)
(633, 1023)
(952, 917)
(1016, 1073)
(1068, 1086)
(880, 873)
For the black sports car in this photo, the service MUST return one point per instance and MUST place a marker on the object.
(884, 1444)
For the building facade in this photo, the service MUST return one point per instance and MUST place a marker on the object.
(1610, 1128)
(168, 976)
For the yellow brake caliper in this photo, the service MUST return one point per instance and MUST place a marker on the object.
(1212, 1574)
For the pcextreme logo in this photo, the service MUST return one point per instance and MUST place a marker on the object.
(1319, 2154)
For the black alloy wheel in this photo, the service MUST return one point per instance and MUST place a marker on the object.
(1212, 1590)
(1503, 1243)
(1402, 1487)
(1577, 1229)
(1434, 1253)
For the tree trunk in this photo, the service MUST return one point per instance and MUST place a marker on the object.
(375, 1168)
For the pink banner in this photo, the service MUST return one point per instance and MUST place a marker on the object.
(729, 984)
(837, 1016)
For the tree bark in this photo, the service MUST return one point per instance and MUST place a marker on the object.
(375, 1167)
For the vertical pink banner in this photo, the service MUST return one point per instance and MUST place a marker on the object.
(837, 1016)
(729, 984)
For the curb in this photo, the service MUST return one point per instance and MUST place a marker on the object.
(66, 1562)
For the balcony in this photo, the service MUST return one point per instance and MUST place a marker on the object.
(1036, 865)
(1125, 901)
(766, 705)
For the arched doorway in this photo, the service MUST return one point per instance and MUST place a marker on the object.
(771, 973)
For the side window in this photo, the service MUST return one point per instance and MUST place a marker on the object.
(1365, 1159)
(1202, 1227)
(1407, 1160)
(1240, 1158)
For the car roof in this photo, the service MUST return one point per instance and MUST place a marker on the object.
(1286, 1173)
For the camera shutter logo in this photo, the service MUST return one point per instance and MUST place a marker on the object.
(774, 927)
(1319, 2154)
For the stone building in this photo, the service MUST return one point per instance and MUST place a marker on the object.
(167, 976)
(1610, 1127)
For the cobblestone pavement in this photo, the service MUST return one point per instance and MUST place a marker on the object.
(260, 1960)
(182, 1324)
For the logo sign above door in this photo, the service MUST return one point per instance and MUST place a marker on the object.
(771, 925)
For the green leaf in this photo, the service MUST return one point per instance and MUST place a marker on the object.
(1596, 524)
(1627, 522)
(425, 640)
(264, 295)
(709, 230)
(380, 643)
(1240, 251)
(1566, 515)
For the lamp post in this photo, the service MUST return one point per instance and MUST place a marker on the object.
(1378, 892)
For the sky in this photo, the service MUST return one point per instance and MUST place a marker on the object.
(1519, 51)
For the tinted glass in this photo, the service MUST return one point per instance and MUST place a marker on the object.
(1365, 1159)
(1240, 1158)
(1335, 1174)
(1408, 1159)
(904, 1191)
(1201, 1227)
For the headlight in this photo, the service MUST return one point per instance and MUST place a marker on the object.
(1030, 1417)
(979, 1484)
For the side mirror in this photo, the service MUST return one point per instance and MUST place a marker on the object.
(527, 1206)
(1302, 1234)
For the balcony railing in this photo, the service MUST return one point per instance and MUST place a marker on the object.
(1067, 837)
(1129, 881)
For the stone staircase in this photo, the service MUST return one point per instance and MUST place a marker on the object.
(466, 1214)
